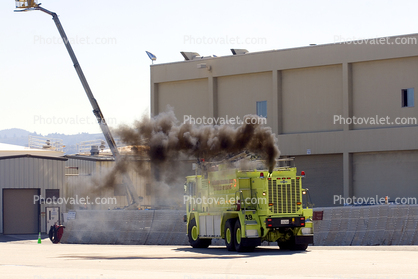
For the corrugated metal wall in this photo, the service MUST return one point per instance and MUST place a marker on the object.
(93, 173)
(32, 172)
(85, 167)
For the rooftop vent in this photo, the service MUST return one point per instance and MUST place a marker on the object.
(236, 51)
(194, 55)
(94, 150)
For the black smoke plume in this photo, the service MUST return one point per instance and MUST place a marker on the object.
(168, 140)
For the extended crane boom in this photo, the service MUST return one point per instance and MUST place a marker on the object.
(96, 109)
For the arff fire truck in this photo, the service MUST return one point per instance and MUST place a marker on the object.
(247, 207)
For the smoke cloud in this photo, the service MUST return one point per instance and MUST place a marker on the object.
(166, 147)
(169, 140)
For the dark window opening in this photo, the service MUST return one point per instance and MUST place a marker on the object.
(52, 194)
(408, 97)
(262, 109)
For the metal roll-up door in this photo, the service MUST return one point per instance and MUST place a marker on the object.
(20, 212)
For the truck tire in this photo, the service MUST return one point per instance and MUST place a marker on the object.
(239, 245)
(291, 245)
(194, 239)
(299, 247)
(284, 245)
(230, 235)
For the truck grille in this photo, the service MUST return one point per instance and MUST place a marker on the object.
(284, 196)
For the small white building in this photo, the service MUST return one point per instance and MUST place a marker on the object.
(30, 180)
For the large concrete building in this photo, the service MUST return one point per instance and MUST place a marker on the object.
(323, 102)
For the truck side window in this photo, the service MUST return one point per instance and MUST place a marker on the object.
(191, 188)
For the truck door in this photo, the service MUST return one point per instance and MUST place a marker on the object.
(246, 194)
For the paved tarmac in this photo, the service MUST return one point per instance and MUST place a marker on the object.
(22, 257)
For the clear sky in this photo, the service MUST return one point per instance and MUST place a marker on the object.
(39, 87)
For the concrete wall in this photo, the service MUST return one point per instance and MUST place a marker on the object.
(233, 90)
(341, 226)
(310, 99)
(367, 225)
(377, 89)
(178, 95)
(149, 227)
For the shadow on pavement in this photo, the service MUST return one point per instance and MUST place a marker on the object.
(195, 253)
(221, 251)
(20, 237)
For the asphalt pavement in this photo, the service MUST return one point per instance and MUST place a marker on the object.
(22, 257)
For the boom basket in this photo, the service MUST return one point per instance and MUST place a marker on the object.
(22, 4)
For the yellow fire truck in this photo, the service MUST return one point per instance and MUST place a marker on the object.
(247, 207)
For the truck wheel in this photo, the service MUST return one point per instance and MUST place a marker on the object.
(230, 235)
(239, 246)
(284, 245)
(291, 245)
(299, 247)
(194, 239)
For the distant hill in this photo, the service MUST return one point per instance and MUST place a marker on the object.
(16, 136)
(21, 137)
(14, 133)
